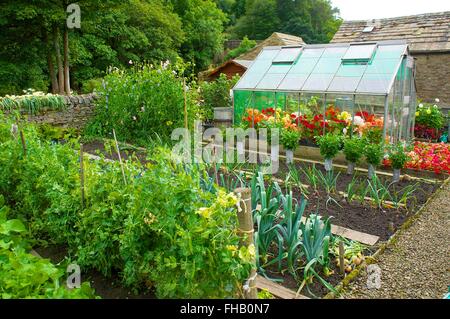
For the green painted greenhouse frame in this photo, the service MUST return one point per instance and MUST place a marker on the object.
(376, 77)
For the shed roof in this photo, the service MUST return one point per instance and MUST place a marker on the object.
(344, 68)
(424, 32)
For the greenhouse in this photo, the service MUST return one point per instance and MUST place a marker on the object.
(367, 81)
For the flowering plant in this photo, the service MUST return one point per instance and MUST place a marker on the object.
(428, 156)
(429, 121)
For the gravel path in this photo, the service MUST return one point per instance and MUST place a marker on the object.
(417, 264)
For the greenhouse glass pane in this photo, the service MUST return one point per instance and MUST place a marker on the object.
(351, 70)
(304, 65)
(267, 54)
(293, 82)
(337, 52)
(318, 82)
(260, 66)
(374, 83)
(386, 66)
(270, 81)
(327, 65)
(249, 81)
(390, 51)
(242, 100)
(287, 55)
(312, 53)
(344, 84)
(279, 68)
(360, 52)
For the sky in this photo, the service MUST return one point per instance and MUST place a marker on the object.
(377, 9)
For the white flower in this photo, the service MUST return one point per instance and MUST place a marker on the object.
(130, 62)
(134, 118)
(344, 131)
(358, 120)
(435, 106)
(437, 100)
(420, 105)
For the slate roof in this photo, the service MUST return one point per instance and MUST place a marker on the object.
(276, 39)
(424, 32)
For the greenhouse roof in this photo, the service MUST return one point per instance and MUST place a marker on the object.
(351, 68)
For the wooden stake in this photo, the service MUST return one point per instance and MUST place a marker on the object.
(82, 175)
(246, 230)
(120, 157)
(24, 145)
(185, 105)
(341, 258)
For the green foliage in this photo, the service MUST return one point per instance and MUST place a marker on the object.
(374, 154)
(23, 275)
(244, 47)
(313, 20)
(140, 103)
(397, 154)
(91, 85)
(329, 145)
(32, 102)
(290, 139)
(158, 230)
(353, 149)
(216, 94)
(374, 135)
(202, 24)
(429, 116)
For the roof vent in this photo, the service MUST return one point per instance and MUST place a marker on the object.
(371, 25)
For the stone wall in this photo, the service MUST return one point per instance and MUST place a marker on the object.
(433, 77)
(77, 113)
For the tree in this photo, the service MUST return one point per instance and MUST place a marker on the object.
(203, 25)
(245, 46)
(260, 20)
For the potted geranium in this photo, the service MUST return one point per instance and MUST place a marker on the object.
(289, 140)
(398, 157)
(353, 151)
(374, 155)
(329, 145)
(429, 122)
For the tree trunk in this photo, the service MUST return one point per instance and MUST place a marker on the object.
(66, 62)
(58, 60)
(51, 67)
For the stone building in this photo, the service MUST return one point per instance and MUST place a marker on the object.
(429, 39)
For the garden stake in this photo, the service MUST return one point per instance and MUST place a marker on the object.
(341, 258)
(82, 175)
(120, 157)
(246, 230)
(24, 145)
(185, 105)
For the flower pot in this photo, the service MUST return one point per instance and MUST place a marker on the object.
(289, 156)
(329, 164)
(371, 171)
(350, 168)
(396, 176)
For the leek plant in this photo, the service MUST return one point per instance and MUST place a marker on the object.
(311, 175)
(294, 176)
(329, 182)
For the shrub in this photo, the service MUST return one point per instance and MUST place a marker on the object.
(91, 85)
(353, 149)
(329, 144)
(245, 46)
(216, 94)
(141, 102)
(374, 154)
